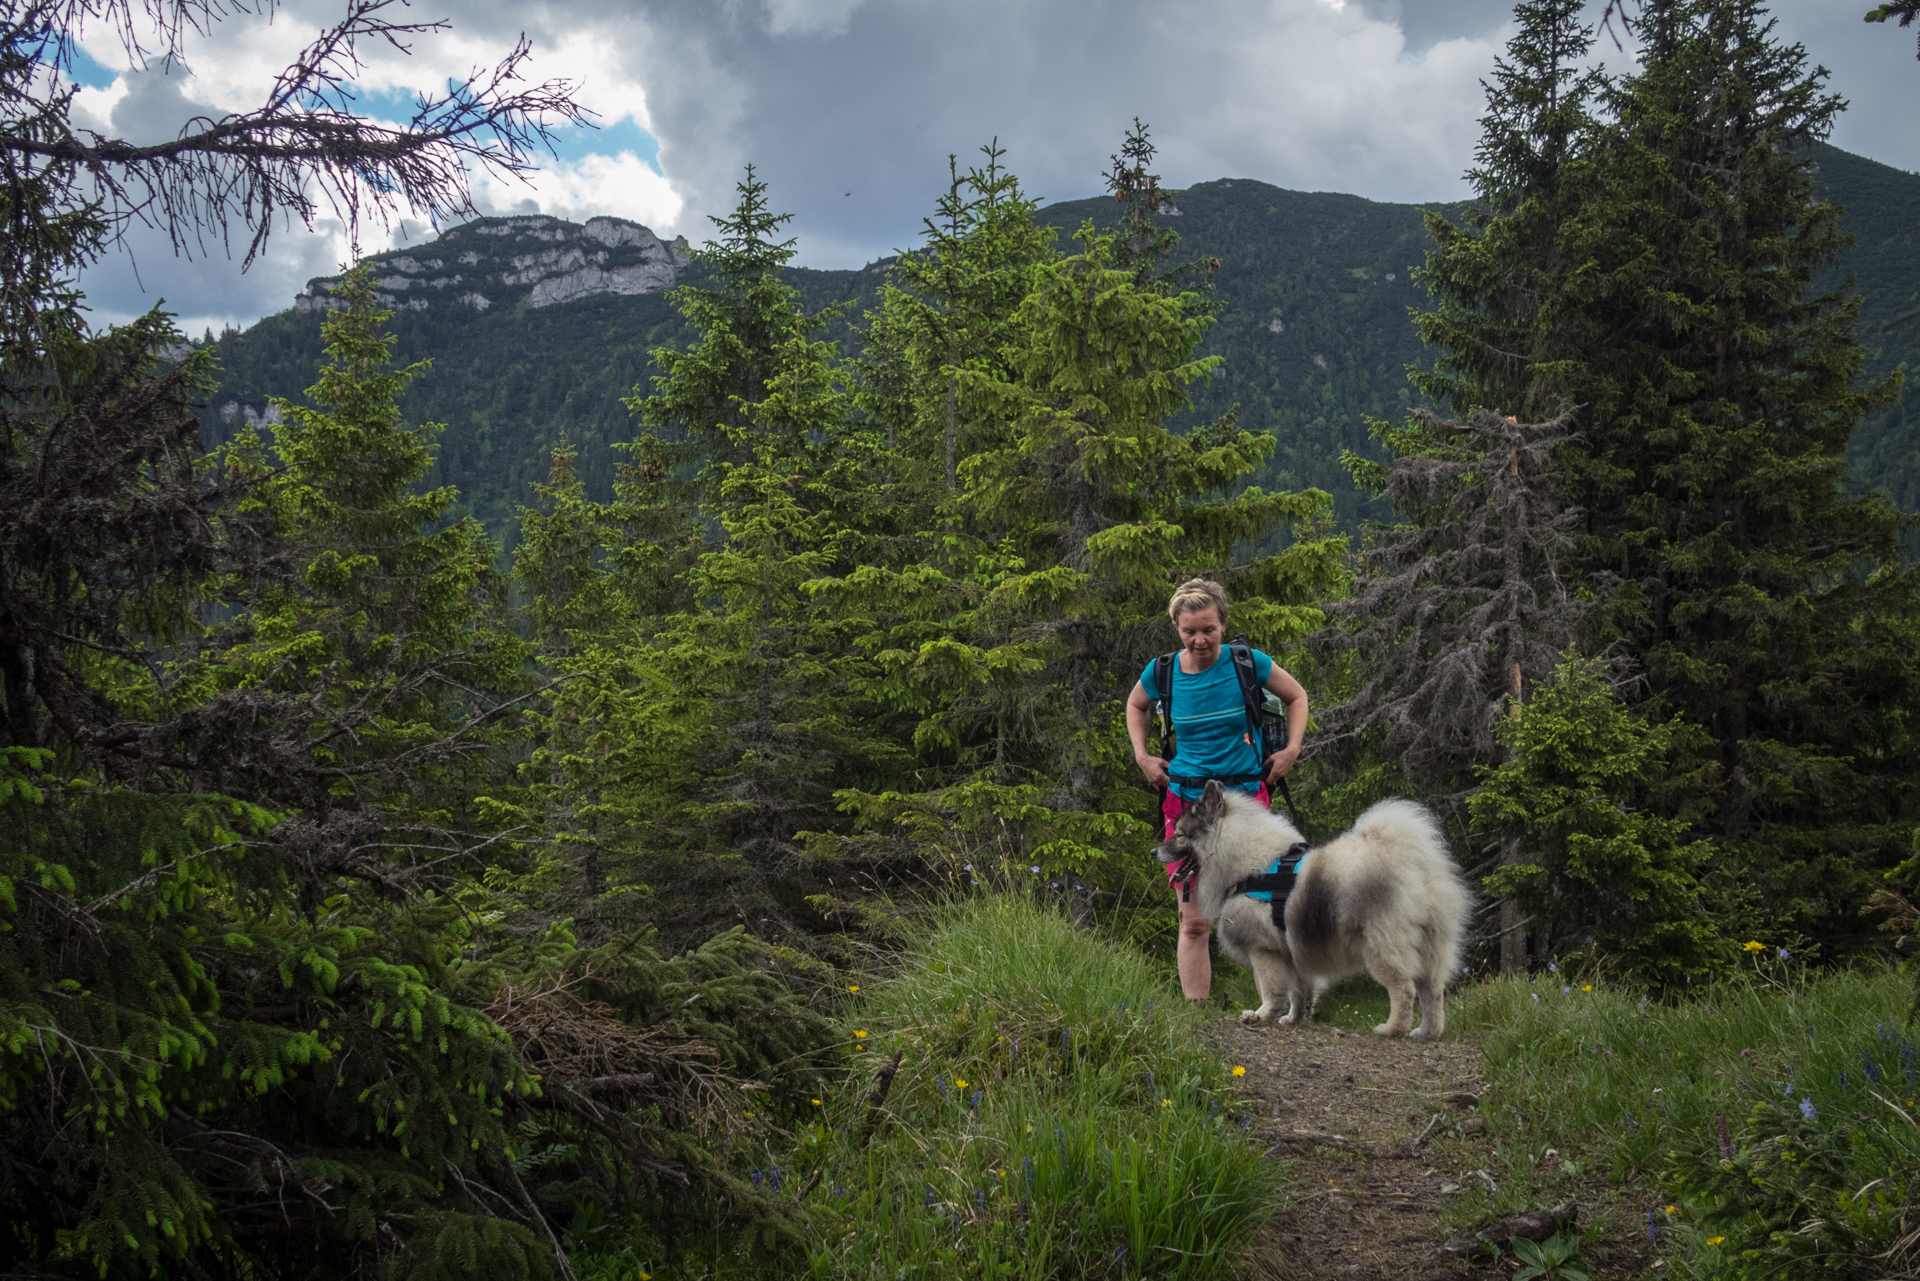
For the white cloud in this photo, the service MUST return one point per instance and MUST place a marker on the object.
(623, 185)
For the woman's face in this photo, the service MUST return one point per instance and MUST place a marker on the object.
(1200, 633)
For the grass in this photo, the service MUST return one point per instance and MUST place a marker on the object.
(1056, 1112)
(1767, 1127)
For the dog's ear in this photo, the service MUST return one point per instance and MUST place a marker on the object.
(1212, 805)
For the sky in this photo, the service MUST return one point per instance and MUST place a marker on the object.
(850, 108)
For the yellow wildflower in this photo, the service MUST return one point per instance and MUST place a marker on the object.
(1715, 1240)
(1753, 945)
(1239, 1071)
(1587, 988)
(1672, 1208)
(960, 1084)
(853, 987)
(816, 1103)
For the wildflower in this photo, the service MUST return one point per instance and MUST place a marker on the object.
(958, 1084)
(1753, 946)
(1784, 954)
(1671, 1209)
(928, 1203)
(858, 1035)
(755, 1176)
(1808, 1110)
(1166, 1103)
(1587, 988)
(816, 1103)
(1536, 996)
(773, 1178)
(1565, 990)
(1036, 867)
(1653, 1230)
(1239, 1071)
(1715, 1240)
(976, 1101)
(853, 987)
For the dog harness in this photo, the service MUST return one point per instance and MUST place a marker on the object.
(1274, 885)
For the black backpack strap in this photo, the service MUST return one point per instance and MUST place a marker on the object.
(1255, 698)
(1252, 697)
(1163, 708)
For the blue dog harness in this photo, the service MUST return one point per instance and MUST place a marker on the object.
(1276, 883)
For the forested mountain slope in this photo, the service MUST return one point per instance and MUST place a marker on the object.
(1312, 292)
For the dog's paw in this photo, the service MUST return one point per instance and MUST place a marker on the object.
(1286, 1018)
(1253, 1016)
(1387, 1029)
(1421, 1034)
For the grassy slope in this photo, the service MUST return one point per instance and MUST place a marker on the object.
(1055, 1113)
(1590, 1082)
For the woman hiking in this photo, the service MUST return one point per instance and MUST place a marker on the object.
(1211, 741)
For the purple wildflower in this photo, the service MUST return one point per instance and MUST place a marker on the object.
(1808, 1110)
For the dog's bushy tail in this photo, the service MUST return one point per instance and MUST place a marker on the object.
(1413, 834)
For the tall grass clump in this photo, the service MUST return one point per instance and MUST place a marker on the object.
(1055, 1113)
(1777, 1111)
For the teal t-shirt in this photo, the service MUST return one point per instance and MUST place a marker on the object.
(1210, 722)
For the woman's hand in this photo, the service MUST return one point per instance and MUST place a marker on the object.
(1154, 768)
(1280, 763)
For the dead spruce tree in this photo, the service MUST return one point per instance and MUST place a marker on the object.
(1457, 612)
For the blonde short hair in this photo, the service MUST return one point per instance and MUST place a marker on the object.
(1197, 594)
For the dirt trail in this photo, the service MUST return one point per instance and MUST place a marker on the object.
(1358, 1116)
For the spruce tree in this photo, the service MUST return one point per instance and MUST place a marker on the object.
(1052, 597)
(949, 306)
(1141, 245)
(1499, 320)
(1714, 393)
(1769, 605)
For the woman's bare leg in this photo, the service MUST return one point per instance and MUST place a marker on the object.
(1193, 955)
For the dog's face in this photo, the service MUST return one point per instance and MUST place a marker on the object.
(1190, 830)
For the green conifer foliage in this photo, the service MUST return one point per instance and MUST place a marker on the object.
(1052, 594)
(1769, 606)
(1594, 859)
(950, 306)
(1498, 277)
(697, 411)
(1646, 257)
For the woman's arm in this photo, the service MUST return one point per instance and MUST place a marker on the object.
(1139, 717)
(1294, 696)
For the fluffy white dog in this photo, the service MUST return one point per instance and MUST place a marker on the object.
(1384, 897)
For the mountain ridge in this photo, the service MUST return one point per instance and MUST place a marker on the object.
(1311, 297)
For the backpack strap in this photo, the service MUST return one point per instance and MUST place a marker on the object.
(1163, 696)
(1255, 698)
(1252, 697)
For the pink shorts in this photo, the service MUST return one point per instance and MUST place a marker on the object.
(1174, 806)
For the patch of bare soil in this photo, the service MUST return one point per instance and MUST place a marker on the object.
(1381, 1135)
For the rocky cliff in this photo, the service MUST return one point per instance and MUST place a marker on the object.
(494, 262)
